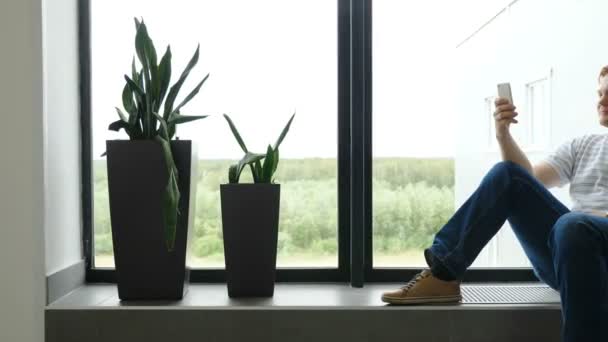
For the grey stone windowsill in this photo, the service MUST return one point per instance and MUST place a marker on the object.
(325, 295)
(297, 313)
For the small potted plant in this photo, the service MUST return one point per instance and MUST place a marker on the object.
(250, 219)
(149, 178)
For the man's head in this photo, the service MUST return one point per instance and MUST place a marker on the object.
(602, 92)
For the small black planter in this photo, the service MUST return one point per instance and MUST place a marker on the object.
(250, 220)
(137, 176)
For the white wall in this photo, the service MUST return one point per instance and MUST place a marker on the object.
(521, 45)
(21, 172)
(62, 135)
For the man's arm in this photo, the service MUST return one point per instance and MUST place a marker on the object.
(546, 174)
(511, 152)
(505, 115)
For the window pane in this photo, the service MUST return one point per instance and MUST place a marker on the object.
(413, 134)
(435, 77)
(267, 59)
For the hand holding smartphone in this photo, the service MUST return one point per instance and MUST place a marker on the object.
(504, 91)
(505, 113)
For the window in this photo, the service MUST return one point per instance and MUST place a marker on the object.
(391, 134)
(489, 118)
(413, 133)
(433, 139)
(538, 106)
(267, 59)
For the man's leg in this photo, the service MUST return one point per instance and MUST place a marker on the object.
(579, 244)
(506, 192)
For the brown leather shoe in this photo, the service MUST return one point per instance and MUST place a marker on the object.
(425, 288)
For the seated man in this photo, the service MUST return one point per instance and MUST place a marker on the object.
(568, 249)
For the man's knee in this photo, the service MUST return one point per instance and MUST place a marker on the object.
(506, 169)
(570, 235)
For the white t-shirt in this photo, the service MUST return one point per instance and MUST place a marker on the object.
(583, 162)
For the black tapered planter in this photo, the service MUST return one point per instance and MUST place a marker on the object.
(137, 177)
(250, 220)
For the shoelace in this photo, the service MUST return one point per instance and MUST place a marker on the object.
(416, 279)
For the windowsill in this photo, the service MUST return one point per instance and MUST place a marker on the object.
(326, 312)
(290, 295)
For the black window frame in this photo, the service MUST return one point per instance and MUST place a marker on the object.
(355, 256)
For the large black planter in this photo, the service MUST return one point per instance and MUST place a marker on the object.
(137, 177)
(250, 220)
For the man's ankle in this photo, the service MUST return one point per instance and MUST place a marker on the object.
(438, 270)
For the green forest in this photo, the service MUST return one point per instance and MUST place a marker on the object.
(412, 199)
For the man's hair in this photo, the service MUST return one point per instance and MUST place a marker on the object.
(603, 72)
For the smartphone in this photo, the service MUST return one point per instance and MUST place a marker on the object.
(504, 90)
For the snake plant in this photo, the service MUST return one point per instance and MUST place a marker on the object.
(143, 95)
(263, 166)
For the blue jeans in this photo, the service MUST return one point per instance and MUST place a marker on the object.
(568, 250)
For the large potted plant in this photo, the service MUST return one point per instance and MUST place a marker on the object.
(250, 219)
(149, 178)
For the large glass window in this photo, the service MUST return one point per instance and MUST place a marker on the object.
(413, 131)
(267, 59)
(436, 65)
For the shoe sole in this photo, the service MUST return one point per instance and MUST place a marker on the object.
(422, 300)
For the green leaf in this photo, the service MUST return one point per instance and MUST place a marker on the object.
(141, 101)
(275, 160)
(249, 158)
(141, 38)
(191, 95)
(179, 119)
(284, 133)
(136, 132)
(232, 175)
(254, 173)
(117, 125)
(128, 103)
(176, 119)
(176, 87)
(259, 176)
(171, 130)
(134, 73)
(140, 79)
(154, 90)
(171, 195)
(268, 165)
(147, 57)
(134, 87)
(170, 211)
(153, 119)
(145, 50)
(164, 130)
(122, 115)
(164, 73)
(236, 134)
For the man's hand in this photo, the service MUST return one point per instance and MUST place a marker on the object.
(503, 116)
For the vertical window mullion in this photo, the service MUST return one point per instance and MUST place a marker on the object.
(359, 148)
(84, 50)
(344, 84)
(367, 139)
